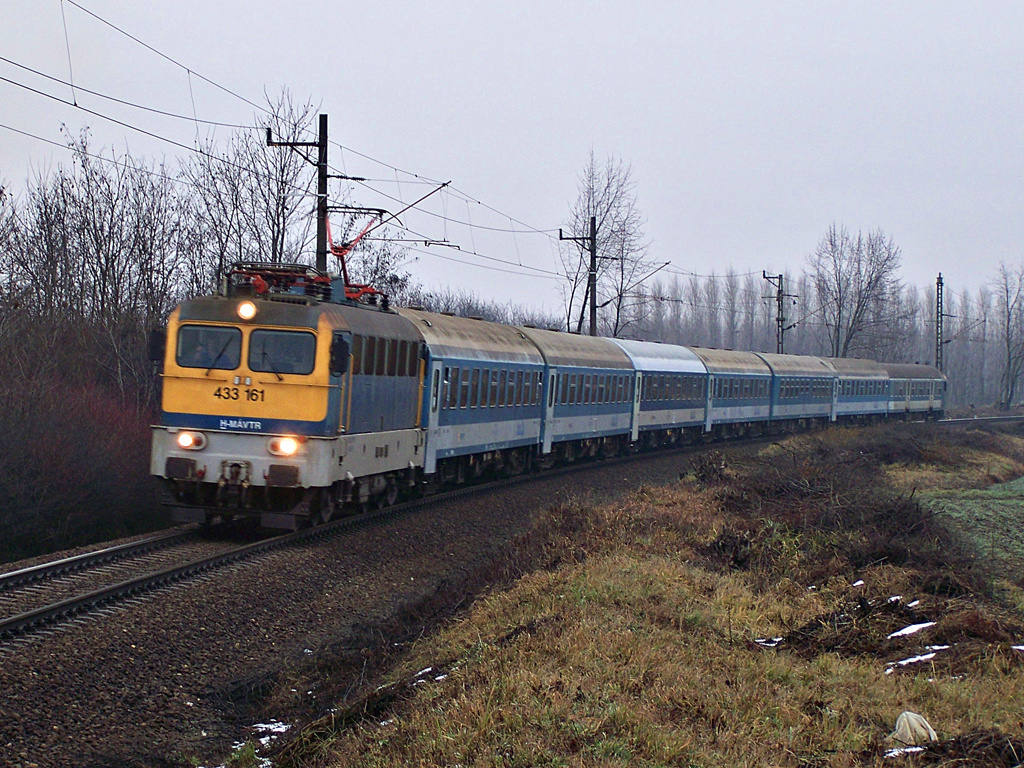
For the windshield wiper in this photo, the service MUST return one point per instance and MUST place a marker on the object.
(222, 351)
(266, 358)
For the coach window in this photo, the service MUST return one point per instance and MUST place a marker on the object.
(447, 388)
(464, 389)
(453, 391)
(502, 387)
(474, 388)
(536, 387)
(493, 399)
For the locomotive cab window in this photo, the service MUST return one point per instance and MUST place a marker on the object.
(282, 352)
(208, 347)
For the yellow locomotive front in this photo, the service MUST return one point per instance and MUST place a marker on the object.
(249, 394)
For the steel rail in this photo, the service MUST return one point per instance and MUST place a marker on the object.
(979, 420)
(79, 562)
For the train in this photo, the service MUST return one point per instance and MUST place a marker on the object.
(291, 399)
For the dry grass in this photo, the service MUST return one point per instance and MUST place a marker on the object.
(635, 641)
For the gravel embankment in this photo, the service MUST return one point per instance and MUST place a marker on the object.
(183, 672)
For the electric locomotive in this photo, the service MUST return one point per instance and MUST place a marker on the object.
(264, 411)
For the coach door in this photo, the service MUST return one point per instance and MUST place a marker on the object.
(549, 411)
(709, 402)
(433, 408)
(634, 432)
(835, 399)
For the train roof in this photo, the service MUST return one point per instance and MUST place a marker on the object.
(462, 337)
(730, 361)
(796, 365)
(661, 358)
(856, 368)
(286, 310)
(304, 313)
(573, 350)
(913, 371)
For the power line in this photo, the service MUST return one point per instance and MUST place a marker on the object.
(158, 137)
(192, 119)
(101, 158)
(168, 58)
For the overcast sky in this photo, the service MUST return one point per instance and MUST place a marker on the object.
(750, 127)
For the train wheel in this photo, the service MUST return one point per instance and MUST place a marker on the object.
(389, 496)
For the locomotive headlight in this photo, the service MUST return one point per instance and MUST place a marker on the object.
(247, 310)
(191, 441)
(283, 446)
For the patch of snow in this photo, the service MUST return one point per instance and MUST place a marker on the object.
(859, 583)
(913, 604)
(910, 630)
(939, 647)
(912, 660)
(439, 678)
(900, 751)
(423, 672)
(386, 723)
(274, 726)
(895, 599)
(1017, 647)
(768, 643)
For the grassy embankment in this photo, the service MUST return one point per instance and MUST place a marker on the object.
(634, 638)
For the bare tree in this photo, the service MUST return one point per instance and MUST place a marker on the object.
(608, 194)
(852, 278)
(254, 202)
(1009, 289)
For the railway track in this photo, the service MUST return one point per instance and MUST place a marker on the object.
(27, 592)
(45, 600)
(979, 420)
(45, 596)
